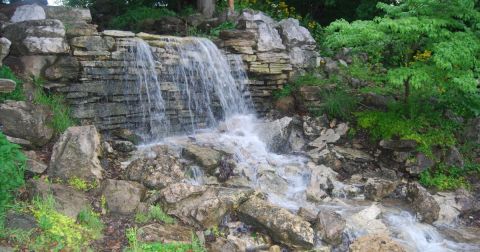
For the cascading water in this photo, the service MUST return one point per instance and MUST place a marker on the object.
(212, 89)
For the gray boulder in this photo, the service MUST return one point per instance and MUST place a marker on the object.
(423, 203)
(156, 173)
(329, 226)
(26, 121)
(76, 154)
(279, 223)
(123, 197)
(376, 189)
(28, 12)
(34, 164)
(93, 43)
(293, 34)
(68, 201)
(68, 14)
(282, 135)
(207, 158)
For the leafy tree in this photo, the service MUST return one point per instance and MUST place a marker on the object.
(431, 45)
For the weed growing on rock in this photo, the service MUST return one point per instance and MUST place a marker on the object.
(81, 184)
(17, 94)
(137, 246)
(155, 213)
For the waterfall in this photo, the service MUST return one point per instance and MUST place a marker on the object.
(211, 87)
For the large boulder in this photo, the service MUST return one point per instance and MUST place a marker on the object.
(123, 197)
(26, 121)
(279, 223)
(206, 157)
(329, 226)
(156, 173)
(377, 189)
(28, 12)
(368, 220)
(423, 203)
(68, 14)
(375, 243)
(282, 135)
(293, 34)
(200, 206)
(33, 37)
(76, 154)
(4, 49)
(68, 201)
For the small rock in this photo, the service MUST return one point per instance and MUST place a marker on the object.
(399, 145)
(330, 226)
(157, 232)
(156, 173)
(375, 243)
(123, 146)
(127, 135)
(306, 214)
(34, 164)
(207, 158)
(123, 197)
(14, 220)
(423, 203)
(377, 189)
(342, 129)
(419, 164)
(368, 220)
(7, 85)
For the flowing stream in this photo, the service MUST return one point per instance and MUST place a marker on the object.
(208, 80)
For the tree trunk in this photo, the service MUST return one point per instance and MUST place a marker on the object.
(206, 7)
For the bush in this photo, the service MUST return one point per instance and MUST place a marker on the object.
(12, 168)
(61, 119)
(17, 94)
(338, 104)
(133, 17)
(91, 220)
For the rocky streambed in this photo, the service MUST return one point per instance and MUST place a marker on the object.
(249, 177)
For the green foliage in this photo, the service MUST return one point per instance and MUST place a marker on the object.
(155, 213)
(58, 232)
(136, 246)
(131, 20)
(91, 220)
(61, 118)
(428, 128)
(215, 32)
(444, 178)
(81, 184)
(338, 103)
(17, 94)
(308, 79)
(12, 168)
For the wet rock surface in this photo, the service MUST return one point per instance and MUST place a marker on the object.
(122, 197)
(423, 203)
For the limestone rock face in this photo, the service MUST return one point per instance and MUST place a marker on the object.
(280, 224)
(28, 12)
(65, 69)
(423, 203)
(123, 197)
(67, 14)
(93, 43)
(293, 34)
(35, 37)
(76, 154)
(330, 226)
(68, 200)
(375, 243)
(26, 121)
(156, 173)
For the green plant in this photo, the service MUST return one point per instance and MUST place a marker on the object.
(81, 184)
(338, 103)
(61, 118)
(215, 32)
(133, 17)
(17, 94)
(136, 246)
(103, 204)
(430, 46)
(155, 213)
(88, 218)
(444, 178)
(58, 232)
(12, 168)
